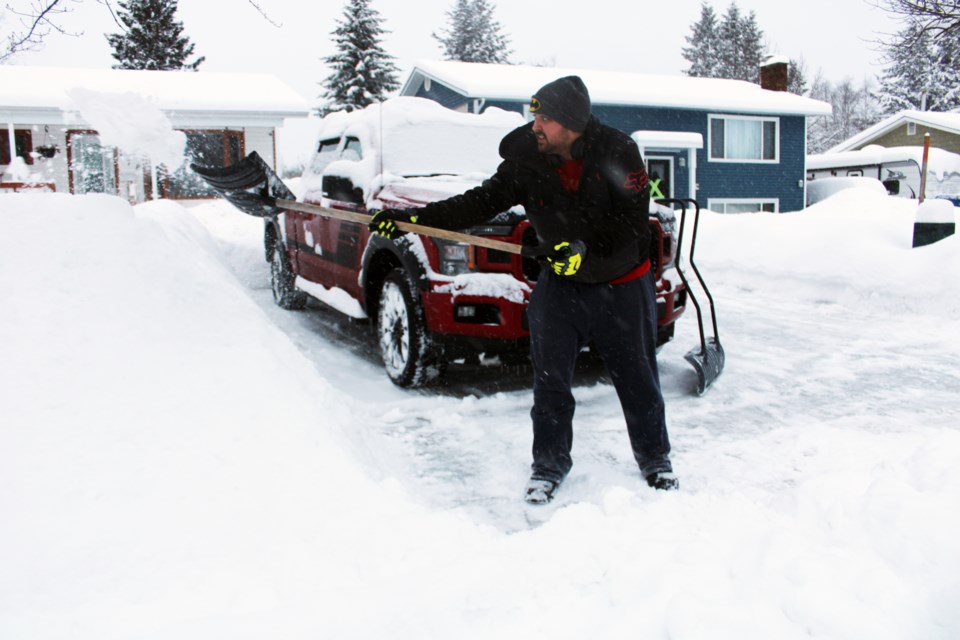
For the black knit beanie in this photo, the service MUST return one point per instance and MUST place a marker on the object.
(565, 100)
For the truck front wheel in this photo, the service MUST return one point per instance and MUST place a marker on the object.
(285, 293)
(409, 354)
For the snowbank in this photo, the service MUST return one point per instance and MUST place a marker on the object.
(172, 464)
(823, 188)
(857, 242)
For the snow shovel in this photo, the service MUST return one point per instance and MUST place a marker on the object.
(252, 186)
(708, 359)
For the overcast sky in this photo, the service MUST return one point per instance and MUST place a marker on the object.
(832, 36)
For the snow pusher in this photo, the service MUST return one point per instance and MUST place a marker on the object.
(252, 186)
(708, 359)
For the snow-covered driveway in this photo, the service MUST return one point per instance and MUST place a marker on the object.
(181, 458)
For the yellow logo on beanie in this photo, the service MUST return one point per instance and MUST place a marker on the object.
(534, 104)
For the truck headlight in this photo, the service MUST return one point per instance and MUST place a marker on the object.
(455, 258)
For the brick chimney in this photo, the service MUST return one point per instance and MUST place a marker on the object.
(773, 73)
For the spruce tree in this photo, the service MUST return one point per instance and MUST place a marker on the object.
(474, 35)
(740, 47)
(752, 54)
(923, 72)
(363, 73)
(153, 38)
(702, 45)
(731, 43)
(797, 77)
(729, 48)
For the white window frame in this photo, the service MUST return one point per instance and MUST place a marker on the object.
(719, 205)
(761, 119)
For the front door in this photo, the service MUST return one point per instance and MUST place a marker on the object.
(660, 172)
(92, 167)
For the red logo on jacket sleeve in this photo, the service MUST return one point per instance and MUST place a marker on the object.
(636, 181)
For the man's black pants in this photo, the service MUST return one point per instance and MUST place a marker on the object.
(620, 321)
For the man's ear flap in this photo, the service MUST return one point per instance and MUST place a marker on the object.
(578, 149)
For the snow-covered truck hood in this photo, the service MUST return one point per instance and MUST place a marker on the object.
(416, 192)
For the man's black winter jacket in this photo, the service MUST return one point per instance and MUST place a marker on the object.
(609, 212)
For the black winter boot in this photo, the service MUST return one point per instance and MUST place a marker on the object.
(663, 481)
(540, 491)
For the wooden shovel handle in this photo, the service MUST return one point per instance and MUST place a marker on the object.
(433, 232)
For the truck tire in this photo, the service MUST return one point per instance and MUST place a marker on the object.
(409, 354)
(285, 294)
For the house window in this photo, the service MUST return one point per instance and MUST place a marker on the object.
(23, 145)
(911, 128)
(92, 167)
(207, 148)
(743, 205)
(744, 139)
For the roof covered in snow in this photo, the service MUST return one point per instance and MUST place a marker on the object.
(518, 82)
(940, 162)
(948, 122)
(45, 94)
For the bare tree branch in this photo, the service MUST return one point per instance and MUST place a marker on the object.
(43, 17)
(938, 18)
(35, 24)
(113, 14)
(264, 14)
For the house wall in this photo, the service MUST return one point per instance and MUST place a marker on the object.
(900, 138)
(783, 181)
(442, 94)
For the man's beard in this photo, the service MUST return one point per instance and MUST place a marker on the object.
(545, 145)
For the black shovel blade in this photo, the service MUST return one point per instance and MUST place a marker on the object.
(250, 185)
(708, 360)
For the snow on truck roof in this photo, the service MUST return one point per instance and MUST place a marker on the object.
(415, 136)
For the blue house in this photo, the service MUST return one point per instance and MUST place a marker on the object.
(732, 145)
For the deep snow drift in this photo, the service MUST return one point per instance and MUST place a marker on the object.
(181, 459)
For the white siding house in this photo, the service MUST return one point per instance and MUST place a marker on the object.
(124, 132)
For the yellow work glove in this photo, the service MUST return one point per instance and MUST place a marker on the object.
(567, 257)
(384, 223)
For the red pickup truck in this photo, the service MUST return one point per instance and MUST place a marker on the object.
(431, 301)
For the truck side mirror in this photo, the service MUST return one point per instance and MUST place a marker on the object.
(342, 189)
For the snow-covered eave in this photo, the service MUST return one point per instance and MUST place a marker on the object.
(179, 118)
(725, 107)
(418, 77)
(33, 115)
(891, 123)
(515, 83)
(238, 96)
(668, 139)
(941, 161)
(185, 118)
